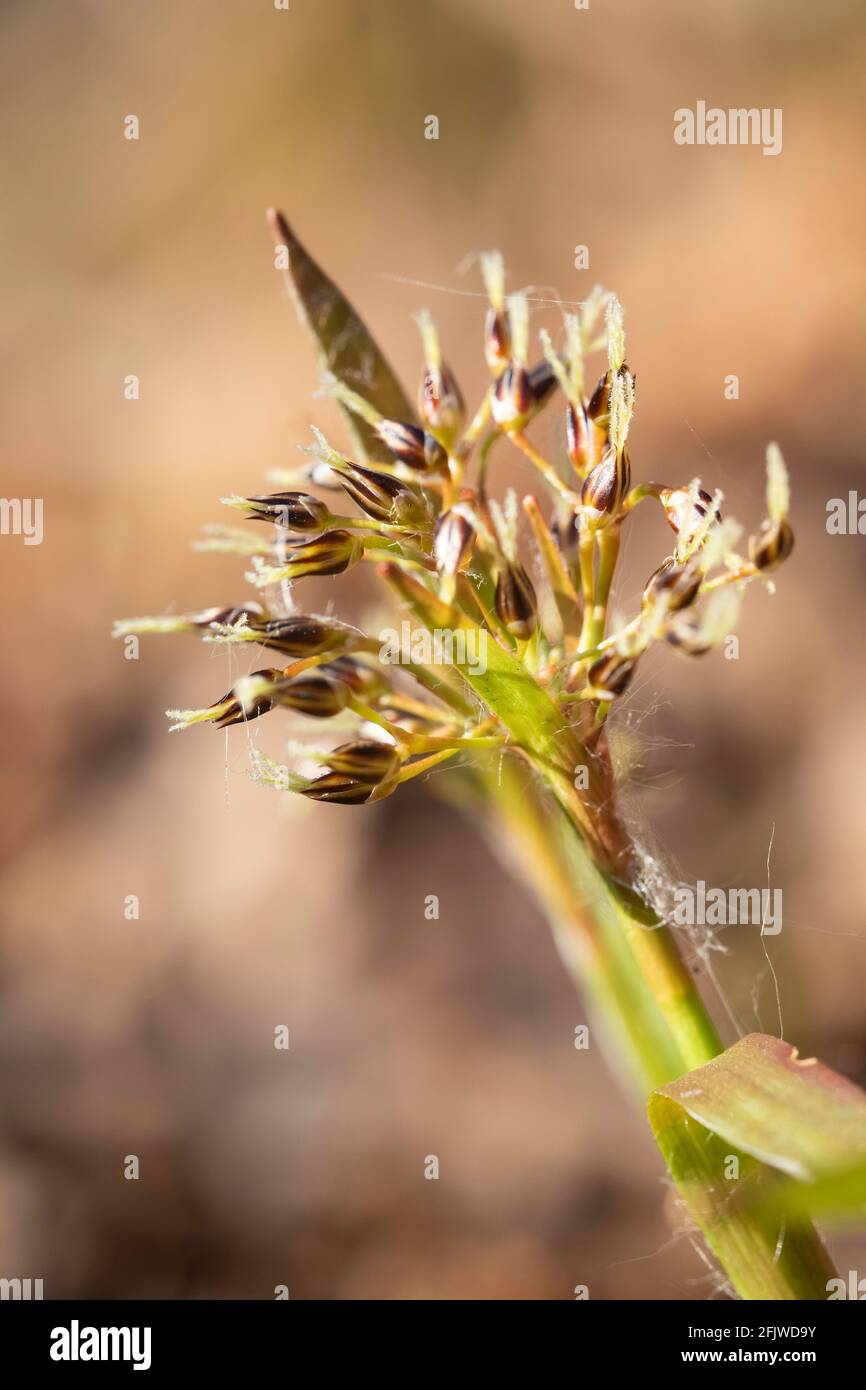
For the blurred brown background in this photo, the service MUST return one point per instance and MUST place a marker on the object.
(408, 1037)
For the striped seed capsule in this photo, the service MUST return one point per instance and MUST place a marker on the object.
(453, 538)
(579, 437)
(331, 553)
(366, 760)
(516, 602)
(497, 340)
(339, 789)
(384, 497)
(415, 447)
(678, 584)
(519, 393)
(771, 546)
(295, 511)
(605, 487)
(440, 401)
(360, 677)
(248, 698)
(313, 693)
(300, 635)
(610, 676)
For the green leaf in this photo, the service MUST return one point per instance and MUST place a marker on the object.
(794, 1127)
(345, 347)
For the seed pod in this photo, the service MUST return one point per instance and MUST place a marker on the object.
(295, 511)
(361, 678)
(677, 583)
(331, 553)
(682, 508)
(599, 402)
(516, 602)
(497, 340)
(314, 693)
(772, 545)
(343, 791)
(579, 437)
(605, 487)
(440, 402)
(248, 698)
(299, 635)
(384, 497)
(512, 400)
(453, 538)
(610, 675)
(542, 382)
(366, 760)
(435, 456)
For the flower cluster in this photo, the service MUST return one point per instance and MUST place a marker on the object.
(418, 505)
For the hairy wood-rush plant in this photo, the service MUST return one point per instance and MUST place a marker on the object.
(513, 665)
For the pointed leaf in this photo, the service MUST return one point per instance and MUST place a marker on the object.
(344, 345)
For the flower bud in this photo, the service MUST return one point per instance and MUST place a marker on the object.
(295, 511)
(610, 676)
(440, 402)
(453, 538)
(512, 400)
(314, 693)
(677, 585)
(299, 635)
(331, 553)
(599, 402)
(605, 486)
(249, 697)
(384, 497)
(362, 678)
(497, 340)
(366, 760)
(341, 790)
(516, 602)
(578, 437)
(413, 446)
(772, 545)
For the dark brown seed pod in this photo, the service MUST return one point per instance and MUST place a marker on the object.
(513, 399)
(772, 545)
(384, 497)
(610, 675)
(453, 538)
(313, 693)
(299, 635)
(542, 382)
(404, 442)
(363, 679)
(246, 700)
(339, 789)
(331, 553)
(605, 486)
(366, 760)
(497, 340)
(516, 602)
(679, 583)
(295, 511)
(578, 437)
(440, 401)
(599, 402)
